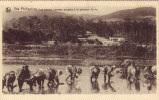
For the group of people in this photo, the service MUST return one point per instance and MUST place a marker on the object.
(108, 73)
(106, 70)
(127, 69)
(31, 78)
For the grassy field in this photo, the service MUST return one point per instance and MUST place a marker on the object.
(38, 56)
(66, 54)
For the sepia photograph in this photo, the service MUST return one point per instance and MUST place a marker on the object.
(79, 50)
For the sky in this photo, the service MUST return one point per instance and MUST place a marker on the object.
(100, 9)
(104, 10)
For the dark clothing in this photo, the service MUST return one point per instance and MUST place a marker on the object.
(94, 73)
(8, 81)
(24, 74)
(11, 79)
(137, 74)
(105, 70)
(53, 76)
(73, 73)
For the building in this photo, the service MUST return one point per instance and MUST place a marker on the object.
(100, 39)
(88, 33)
(117, 39)
(51, 42)
(83, 39)
(112, 41)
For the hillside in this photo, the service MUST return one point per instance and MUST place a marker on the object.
(16, 15)
(137, 14)
(40, 26)
(51, 14)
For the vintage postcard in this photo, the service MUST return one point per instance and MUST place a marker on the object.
(79, 50)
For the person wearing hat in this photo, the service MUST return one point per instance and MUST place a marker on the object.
(23, 76)
(94, 72)
(25, 73)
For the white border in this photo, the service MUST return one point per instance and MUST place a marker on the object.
(78, 96)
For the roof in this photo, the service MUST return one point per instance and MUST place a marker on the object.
(101, 39)
(88, 32)
(116, 37)
(82, 38)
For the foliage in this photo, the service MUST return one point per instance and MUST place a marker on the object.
(35, 29)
